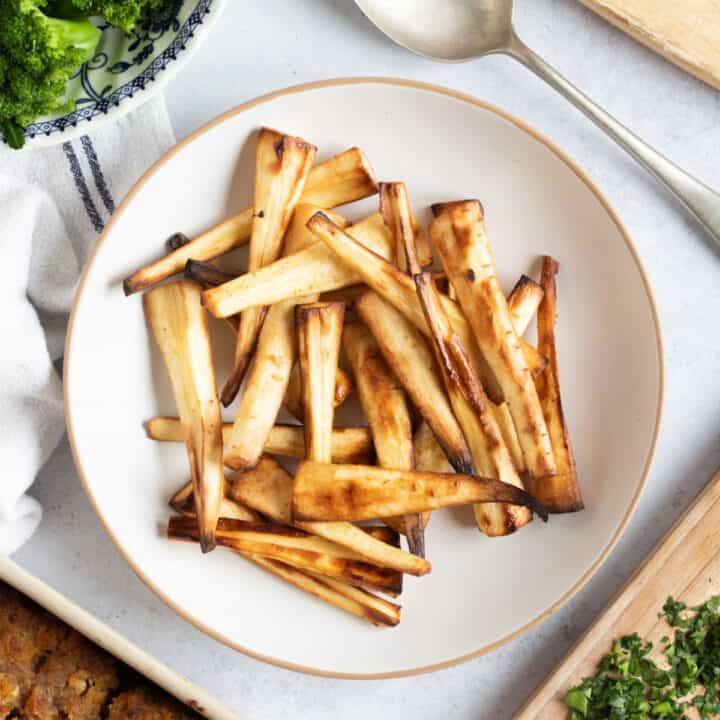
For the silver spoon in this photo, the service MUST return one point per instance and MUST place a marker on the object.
(460, 30)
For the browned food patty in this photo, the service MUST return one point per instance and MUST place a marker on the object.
(74, 683)
(28, 634)
(146, 704)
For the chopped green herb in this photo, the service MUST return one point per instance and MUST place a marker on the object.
(628, 685)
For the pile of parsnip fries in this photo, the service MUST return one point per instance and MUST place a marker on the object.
(460, 409)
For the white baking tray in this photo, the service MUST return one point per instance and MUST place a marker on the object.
(114, 643)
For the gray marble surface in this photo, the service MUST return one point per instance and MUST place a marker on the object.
(263, 46)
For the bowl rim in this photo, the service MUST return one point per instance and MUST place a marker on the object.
(581, 175)
(156, 74)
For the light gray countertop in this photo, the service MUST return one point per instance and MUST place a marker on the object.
(263, 46)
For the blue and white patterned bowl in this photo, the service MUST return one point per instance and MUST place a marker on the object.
(127, 70)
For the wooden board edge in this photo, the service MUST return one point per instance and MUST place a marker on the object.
(558, 681)
(664, 49)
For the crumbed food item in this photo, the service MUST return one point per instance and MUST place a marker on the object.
(50, 672)
(147, 704)
(75, 682)
(28, 634)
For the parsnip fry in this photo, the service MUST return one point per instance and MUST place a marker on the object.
(372, 609)
(395, 209)
(459, 236)
(341, 179)
(560, 492)
(348, 295)
(474, 413)
(428, 453)
(294, 547)
(362, 492)
(178, 323)
(268, 489)
(385, 406)
(206, 273)
(509, 433)
(357, 601)
(319, 327)
(175, 241)
(265, 388)
(293, 397)
(282, 165)
(315, 269)
(183, 503)
(523, 303)
(406, 351)
(349, 444)
(298, 236)
(399, 290)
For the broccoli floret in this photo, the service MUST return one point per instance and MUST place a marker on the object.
(38, 54)
(123, 14)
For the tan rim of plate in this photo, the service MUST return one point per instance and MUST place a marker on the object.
(580, 174)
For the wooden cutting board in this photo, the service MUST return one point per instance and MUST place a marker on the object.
(686, 32)
(686, 565)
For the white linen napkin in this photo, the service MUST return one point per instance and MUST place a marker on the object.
(54, 202)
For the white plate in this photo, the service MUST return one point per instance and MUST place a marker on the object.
(481, 592)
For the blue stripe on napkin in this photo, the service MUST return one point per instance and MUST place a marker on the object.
(82, 188)
(97, 172)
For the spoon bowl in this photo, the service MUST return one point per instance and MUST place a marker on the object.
(459, 30)
(448, 31)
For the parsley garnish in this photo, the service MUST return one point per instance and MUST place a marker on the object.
(628, 685)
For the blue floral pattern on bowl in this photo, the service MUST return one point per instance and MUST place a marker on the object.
(126, 68)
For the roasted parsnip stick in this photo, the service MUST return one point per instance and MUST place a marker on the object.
(175, 241)
(349, 444)
(348, 295)
(509, 434)
(342, 179)
(385, 406)
(357, 601)
(406, 351)
(264, 389)
(229, 509)
(523, 303)
(428, 456)
(314, 269)
(399, 290)
(268, 489)
(293, 397)
(361, 492)
(459, 236)
(210, 275)
(396, 213)
(473, 411)
(319, 328)
(319, 331)
(428, 453)
(206, 273)
(282, 166)
(561, 492)
(293, 547)
(298, 236)
(369, 607)
(184, 504)
(178, 323)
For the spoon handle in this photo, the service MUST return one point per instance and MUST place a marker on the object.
(701, 201)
